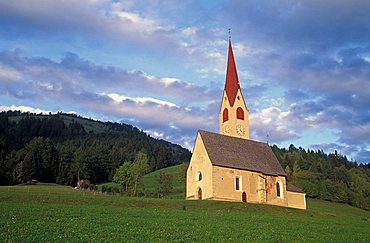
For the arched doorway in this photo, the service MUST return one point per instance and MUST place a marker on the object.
(244, 197)
(199, 193)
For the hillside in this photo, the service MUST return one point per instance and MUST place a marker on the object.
(56, 213)
(63, 147)
(330, 177)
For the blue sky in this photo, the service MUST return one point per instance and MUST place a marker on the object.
(304, 66)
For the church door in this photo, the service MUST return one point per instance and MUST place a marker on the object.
(244, 197)
(200, 194)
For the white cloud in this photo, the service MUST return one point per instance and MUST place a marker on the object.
(139, 100)
(23, 109)
(274, 122)
(169, 81)
(137, 22)
(8, 73)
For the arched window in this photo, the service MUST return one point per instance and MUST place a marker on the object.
(277, 189)
(225, 115)
(199, 176)
(240, 113)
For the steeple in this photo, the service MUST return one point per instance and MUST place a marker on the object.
(232, 82)
(233, 110)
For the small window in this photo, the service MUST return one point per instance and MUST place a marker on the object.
(277, 189)
(237, 183)
(225, 115)
(240, 113)
(199, 176)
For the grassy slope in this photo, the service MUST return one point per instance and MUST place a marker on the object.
(58, 213)
(178, 190)
(149, 182)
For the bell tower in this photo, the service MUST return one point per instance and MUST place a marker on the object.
(233, 110)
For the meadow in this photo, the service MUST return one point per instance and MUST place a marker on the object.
(48, 212)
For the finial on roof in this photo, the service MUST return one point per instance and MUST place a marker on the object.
(229, 33)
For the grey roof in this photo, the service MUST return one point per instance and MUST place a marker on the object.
(293, 188)
(238, 153)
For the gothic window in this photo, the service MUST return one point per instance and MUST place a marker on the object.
(240, 113)
(277, 189)
(225, 115)
(199, 176)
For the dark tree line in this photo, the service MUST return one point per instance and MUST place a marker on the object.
(330, 177)
(61, 148)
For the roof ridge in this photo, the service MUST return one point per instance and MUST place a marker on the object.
(248, 140)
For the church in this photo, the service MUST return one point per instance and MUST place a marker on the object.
(231, 167)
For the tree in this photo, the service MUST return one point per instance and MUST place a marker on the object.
(163, 184)
(123, 175)
(288, 172)
(139, 168)
(183, 168)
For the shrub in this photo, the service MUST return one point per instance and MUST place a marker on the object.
(85, 186)
(92, 187)
(115, 189)
(103, 188)
(109, 189)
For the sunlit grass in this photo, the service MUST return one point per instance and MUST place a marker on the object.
(58, 213)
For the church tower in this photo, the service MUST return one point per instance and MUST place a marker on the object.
(233, 111)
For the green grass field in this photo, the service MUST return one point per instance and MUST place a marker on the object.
(52, 213)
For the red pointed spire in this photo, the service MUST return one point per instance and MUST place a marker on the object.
(232, 81)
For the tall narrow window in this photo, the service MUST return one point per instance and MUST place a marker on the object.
(199, 176)
(277, 189)
(240, 113)
(225, 115)
(237, 183)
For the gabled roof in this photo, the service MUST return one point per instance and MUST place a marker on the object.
(232, 81)
(238, 153)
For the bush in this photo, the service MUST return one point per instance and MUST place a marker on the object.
(115, 189)
(92, 187)
(85, 186)
(103, 188)
(109, 189)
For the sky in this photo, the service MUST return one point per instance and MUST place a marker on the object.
(303, 65)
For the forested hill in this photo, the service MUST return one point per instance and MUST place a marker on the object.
(330, 177)
(63, 147)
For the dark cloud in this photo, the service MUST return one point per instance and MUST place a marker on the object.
(307, 24)
(364, 156)
(76, 73)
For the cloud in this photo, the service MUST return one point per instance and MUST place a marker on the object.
(8, 74)
(23, 109)
(358, 134)
(74, 73)
(139, 100)
(272, 122)
(304, 65)
(88, 88)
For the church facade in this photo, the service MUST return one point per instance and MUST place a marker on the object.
(229, 166)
